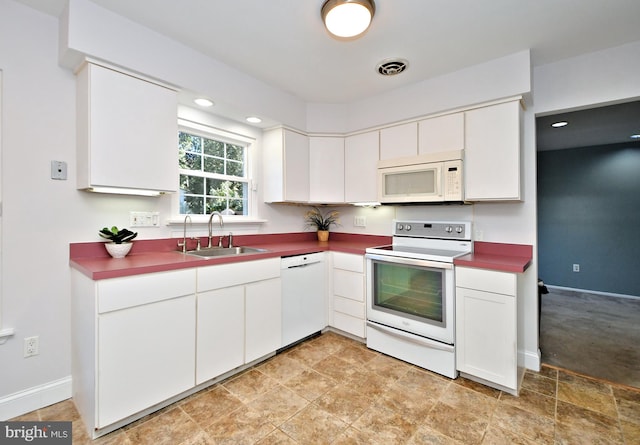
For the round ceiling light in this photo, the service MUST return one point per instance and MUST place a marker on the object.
(347, 18)
(560, 124)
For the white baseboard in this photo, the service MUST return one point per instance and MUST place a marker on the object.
(595, 292)
(530, 360)
(34, 398)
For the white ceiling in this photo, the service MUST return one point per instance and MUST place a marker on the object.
(283, 42)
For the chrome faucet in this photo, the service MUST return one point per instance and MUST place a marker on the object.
(184, 234)
(211, 227)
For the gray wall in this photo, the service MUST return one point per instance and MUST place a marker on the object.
(589, 214)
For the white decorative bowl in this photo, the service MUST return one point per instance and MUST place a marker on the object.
(118, 250)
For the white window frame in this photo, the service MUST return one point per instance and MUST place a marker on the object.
(222, 135)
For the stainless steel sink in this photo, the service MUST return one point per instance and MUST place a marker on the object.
(224, 251)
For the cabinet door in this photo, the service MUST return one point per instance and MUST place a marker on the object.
(492, 152)
(326, 169)
(220, 332)
(361, 155)
(442, 133)
(263, 318)
(285, 166)
(486, 336)
(146, 354)
(125, 123)
(399, 141)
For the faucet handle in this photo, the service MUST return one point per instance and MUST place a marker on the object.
(230, 240)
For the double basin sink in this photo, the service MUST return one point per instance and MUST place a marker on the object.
(215, 252)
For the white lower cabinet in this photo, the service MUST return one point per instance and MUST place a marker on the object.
(263, 317)
(486, 327)
(239, 315)
(220, 332)
(133, 344)
(348, 300)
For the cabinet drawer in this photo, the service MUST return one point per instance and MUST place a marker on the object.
(347, 261)
(121, 293)
(349, 307)
(349, 324)
(348, 285)
(487, 280)
(226, 275)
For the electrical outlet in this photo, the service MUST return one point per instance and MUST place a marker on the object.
(31, 346)
(360, 221)
(576, 268)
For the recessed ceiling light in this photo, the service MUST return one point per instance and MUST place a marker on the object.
(560, 124)
(203, 102)
(254, 119)
(635, 136)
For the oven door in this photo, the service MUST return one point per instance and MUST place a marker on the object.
(416, 296)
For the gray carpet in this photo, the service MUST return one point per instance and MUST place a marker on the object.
(595, 335)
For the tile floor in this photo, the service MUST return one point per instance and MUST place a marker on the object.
(332, 390)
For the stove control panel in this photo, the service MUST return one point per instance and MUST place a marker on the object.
(433, 229)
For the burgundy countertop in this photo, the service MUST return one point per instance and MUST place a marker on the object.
(148, 256)
(498, 256)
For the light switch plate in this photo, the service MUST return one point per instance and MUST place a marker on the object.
(144, 219)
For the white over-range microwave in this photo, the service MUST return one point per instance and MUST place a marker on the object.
(434, 177)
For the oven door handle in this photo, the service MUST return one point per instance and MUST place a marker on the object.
(412, 338)
(408, 261)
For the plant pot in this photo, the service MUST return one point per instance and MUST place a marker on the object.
(118, 250)
(323, 235)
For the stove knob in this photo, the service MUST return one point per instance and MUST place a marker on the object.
(448, 229)
(400, 227)
(408, 227)
(459, 229)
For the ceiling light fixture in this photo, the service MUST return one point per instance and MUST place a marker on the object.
(560, 124)
(347, 18)
(635, 136)
(254, 119)
(203, 102)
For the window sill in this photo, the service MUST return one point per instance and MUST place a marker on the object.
(228, 220)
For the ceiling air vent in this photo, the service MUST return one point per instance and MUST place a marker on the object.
(391, 67)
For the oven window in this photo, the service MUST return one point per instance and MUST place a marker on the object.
(410, 291)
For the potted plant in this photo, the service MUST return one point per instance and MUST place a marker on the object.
(119, 243)
(321, 222)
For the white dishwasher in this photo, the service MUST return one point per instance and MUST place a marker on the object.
(303, 297)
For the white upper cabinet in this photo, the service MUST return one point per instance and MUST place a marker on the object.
(127, 132)
(399, 141)
(286, 166)
(361, 154)
(326, 169)
(442, 133)
(492, 152)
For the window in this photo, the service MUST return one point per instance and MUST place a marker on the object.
(213, 175)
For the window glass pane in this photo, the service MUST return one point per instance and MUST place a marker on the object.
(192, 184)
(235, 168)
(189, 142)
(213, 165)
(216, 204)
(190, 161)
(235, 152)
(214, 148)
(192, 205)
